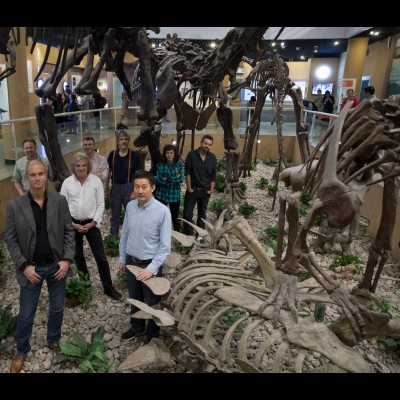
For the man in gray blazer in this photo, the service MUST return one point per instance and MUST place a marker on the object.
(41, 242)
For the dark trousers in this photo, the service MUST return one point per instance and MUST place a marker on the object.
(95, 240)
(140, 291)
(174, 208)
(191, 199)
(120, 194)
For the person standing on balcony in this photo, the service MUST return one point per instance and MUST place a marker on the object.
(350, 97)
(19, 179)
(99, 163)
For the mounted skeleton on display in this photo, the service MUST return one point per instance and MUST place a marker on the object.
(178, 62)
(110, 44)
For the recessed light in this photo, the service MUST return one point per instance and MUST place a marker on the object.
(336, 43)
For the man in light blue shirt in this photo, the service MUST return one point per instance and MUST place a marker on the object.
(145, 242)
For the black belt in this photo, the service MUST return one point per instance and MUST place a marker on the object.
(47, 261)
(197, 189)
(136, 260)
(82, 222)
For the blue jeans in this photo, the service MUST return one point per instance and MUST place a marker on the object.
(28, 302)
(140, 291)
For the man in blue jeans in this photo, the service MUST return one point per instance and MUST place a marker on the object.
(41, 242)
(145, 242)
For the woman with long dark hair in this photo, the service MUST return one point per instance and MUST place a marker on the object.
(169, 177)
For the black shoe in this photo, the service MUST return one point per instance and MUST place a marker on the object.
(111, 292)
(130, 334)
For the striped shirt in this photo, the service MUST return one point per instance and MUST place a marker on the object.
(168, 182)
(146, 233)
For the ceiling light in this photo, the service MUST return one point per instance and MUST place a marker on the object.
(273, 44)
(283, 45)
(212, 45)
(336, 43)
(376, 33)
(302, 57)
(297, 48)
(372, 32)
(153, 45)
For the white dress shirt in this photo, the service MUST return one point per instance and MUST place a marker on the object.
(85, 201)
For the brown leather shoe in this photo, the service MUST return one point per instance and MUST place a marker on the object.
(54, 347)
(17, 363)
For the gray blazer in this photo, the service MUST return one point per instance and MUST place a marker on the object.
(20, 234)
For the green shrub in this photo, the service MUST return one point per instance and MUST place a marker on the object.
(272, 189)
(271, 232)
(242, 186)
(345, 259)
(2, 253)
(91, 356)
(80, 288)
(8, 323)
(220, 184)
(262, 183)
(232, 316)
(304, 276)
(383, 306)
(111, 245)
(254, 165)
(221, 165)
(271, 161)
(121, 277)
(247, 209)
(107, 203)
(217, 205)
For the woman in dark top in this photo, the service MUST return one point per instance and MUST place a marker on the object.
(327, 102)
(169, 177)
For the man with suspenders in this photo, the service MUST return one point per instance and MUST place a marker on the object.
(123, 164)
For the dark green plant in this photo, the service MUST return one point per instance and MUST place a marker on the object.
(304, 276)
(242, 186)
(107, 203)
(232, 316)
(2, 254)
(247, 209)
(122, 214)
(262, 183)
(393, 343)
(319, 311)
(8, 323)
(217, 205)
(306, 199)
(177, 246)
(221, 165)
(320, 218)
(111, 245)
(345, 259)
(271, 232)
(90, 356)
(254, 165)
(271, 161)
(80, 288)
(220, 184)
(273, 244)
(381, 305)
(272, 189)
(121, 277)
(181, 205)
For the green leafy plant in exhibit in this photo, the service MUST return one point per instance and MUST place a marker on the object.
(220, 184)
(79, 289)
(345, 259)
(242, 186)
(262, 183)
(271, 161)
(247, 209)
(8, 322)
(111, 245)
(271, 232)
(90, 356)
(217, 205)
(121, 277)
(272, 189)
(221, 165)
(232, 316)
(382, 305)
